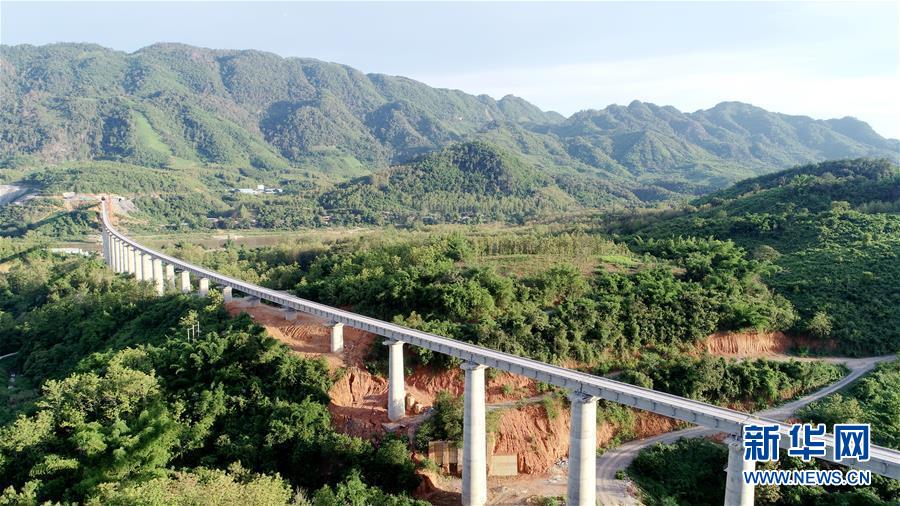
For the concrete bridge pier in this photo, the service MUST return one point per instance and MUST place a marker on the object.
(203, 287)
(170, 277)
(184, 282)
(738, 493)
(582, 486)
(104, 245)
(158, 276)
(474, 458)
(396, 387)
(146, 267)
(125, 249)
(138, 266)
(116, 254)
(129, 259)
(337, 338)
(227, 293)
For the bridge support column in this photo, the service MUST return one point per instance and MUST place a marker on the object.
(123, 257)
(290, 314)
(137, 264)
(146, 267)
(170, 277)
(104, 245)
(129, 259)
(474, 458)
(116, 265)
(158, 276)
(226, 293)
(203, 287)
(107, 251)
(738, 493)
(396, 387)
(184, 282)
(582, 488)
(337, 339)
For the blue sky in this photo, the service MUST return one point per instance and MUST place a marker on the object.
(819, 59)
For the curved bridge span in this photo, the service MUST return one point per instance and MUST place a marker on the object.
(127, 256)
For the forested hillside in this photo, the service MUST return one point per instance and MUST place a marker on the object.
(177, 106)
(122, 405)
(469, 182)
(831, 229)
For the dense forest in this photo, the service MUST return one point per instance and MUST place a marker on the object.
(831, 232)
(128, 407)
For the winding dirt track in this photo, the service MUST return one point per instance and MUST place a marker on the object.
(614, 492)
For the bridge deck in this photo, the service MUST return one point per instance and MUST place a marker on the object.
(882, 461)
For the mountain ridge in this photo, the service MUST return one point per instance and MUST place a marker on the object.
(173, 105)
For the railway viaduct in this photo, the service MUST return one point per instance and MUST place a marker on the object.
(125, 255)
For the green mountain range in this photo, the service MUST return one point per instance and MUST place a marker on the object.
(177, 106)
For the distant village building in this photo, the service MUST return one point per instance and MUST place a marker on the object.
(70, 251)
(260, 189)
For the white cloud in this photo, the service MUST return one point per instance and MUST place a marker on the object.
(696, 81)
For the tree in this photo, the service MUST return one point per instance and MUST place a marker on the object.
(819, 325)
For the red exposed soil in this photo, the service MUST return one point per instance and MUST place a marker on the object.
(537, 441)
(752, 344)
(358, 399)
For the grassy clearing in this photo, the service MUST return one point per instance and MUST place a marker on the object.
(529, 265)
(147, 136)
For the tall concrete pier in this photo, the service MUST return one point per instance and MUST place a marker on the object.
(474, 459)
(184, 282)
(139, 265)
(170, 277)
(396, 387)
(582, 486)
(117, 255)
(158, 276)
(147, 268)
(738, 493)
(130, 255)
(337, 338)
